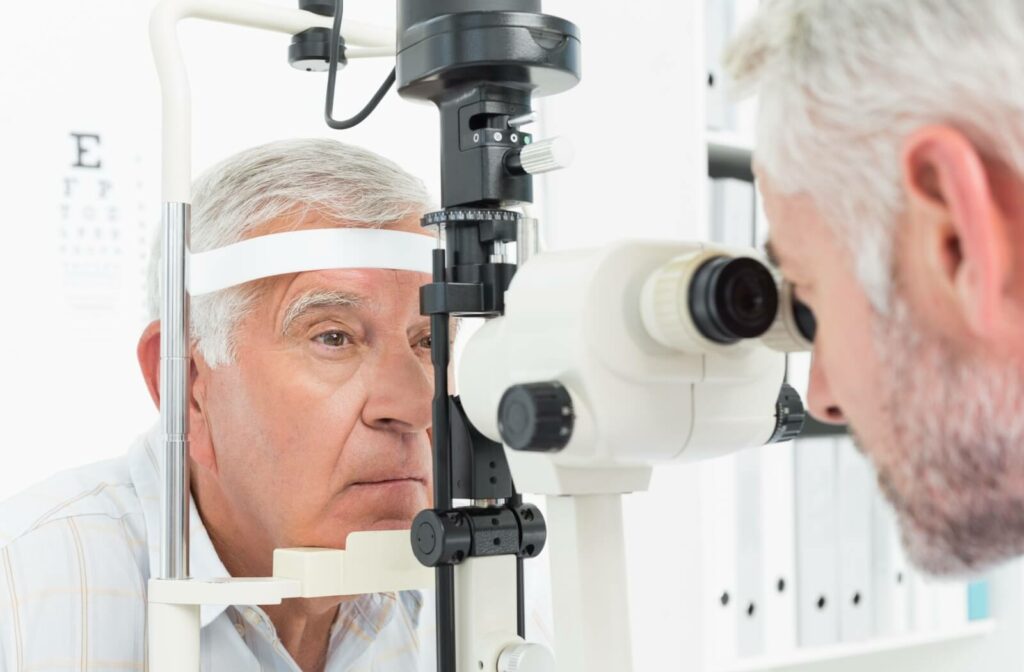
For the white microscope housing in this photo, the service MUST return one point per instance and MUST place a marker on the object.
(615, 327)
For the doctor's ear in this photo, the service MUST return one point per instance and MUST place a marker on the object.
(963, 235)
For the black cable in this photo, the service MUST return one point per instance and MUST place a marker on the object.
(332, 76)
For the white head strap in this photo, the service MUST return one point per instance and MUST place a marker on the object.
(308, 250)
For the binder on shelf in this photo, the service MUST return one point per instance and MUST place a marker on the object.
(856, 591)
(732, 212)
(923, 615)
(890, 573)
(750, 561)
(978, 600)
(778, 516)
(950, 604)
(718, 502)
(723, 19)
(718, 27)
(939, 604)
(817, 554)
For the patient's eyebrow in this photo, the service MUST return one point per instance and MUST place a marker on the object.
(316, 300)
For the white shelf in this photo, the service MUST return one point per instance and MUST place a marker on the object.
(809, 657)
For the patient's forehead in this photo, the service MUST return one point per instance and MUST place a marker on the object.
(370, 288)
(376, 287)
(381, 300)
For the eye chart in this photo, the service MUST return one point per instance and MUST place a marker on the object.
(105, 227)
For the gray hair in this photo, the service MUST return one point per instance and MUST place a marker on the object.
(842, 83)
(342, 183)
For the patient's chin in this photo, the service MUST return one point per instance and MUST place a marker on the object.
(333, 533)
(390, 524)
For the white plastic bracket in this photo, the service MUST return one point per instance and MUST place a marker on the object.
(372, 562)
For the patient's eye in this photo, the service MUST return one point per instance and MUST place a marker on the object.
(425, 342)
(333, 338)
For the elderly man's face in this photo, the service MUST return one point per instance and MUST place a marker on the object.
(934, 389)
(321, 425)
(810, 257)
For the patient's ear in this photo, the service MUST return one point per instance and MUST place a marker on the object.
(200, 441)
(148, 353)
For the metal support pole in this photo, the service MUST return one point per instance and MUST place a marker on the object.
(445, 575)
(175, 364)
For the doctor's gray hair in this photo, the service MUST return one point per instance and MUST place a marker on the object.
(841, 84)
(341, 183)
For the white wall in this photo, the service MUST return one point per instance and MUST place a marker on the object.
(637, 123)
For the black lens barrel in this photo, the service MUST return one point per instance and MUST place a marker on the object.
(733, 298)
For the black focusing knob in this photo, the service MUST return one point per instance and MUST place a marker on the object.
(789, 415)
(536, 416)
(532, 530)
(440, 538)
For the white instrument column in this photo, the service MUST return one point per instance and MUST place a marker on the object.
(588, 583)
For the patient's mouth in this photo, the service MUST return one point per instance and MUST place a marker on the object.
(389, 483)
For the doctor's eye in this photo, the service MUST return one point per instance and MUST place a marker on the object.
(333, 339)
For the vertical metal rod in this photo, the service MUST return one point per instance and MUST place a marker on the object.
(527, 238)
(444, 575)
(517, 500)
(175, 364)
(527, 245)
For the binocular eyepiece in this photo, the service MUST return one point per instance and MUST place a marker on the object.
(714, 300)
(732, 298)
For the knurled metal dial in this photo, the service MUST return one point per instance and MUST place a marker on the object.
(459, 215)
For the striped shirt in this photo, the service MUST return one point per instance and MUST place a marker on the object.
(75, 557)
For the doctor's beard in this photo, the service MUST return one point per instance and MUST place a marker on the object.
(953, 466)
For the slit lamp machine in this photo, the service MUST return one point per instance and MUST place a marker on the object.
(592, 367)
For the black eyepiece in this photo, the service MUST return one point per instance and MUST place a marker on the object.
(804, 319)
(732, 299)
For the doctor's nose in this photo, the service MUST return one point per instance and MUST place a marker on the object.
(820, 402)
